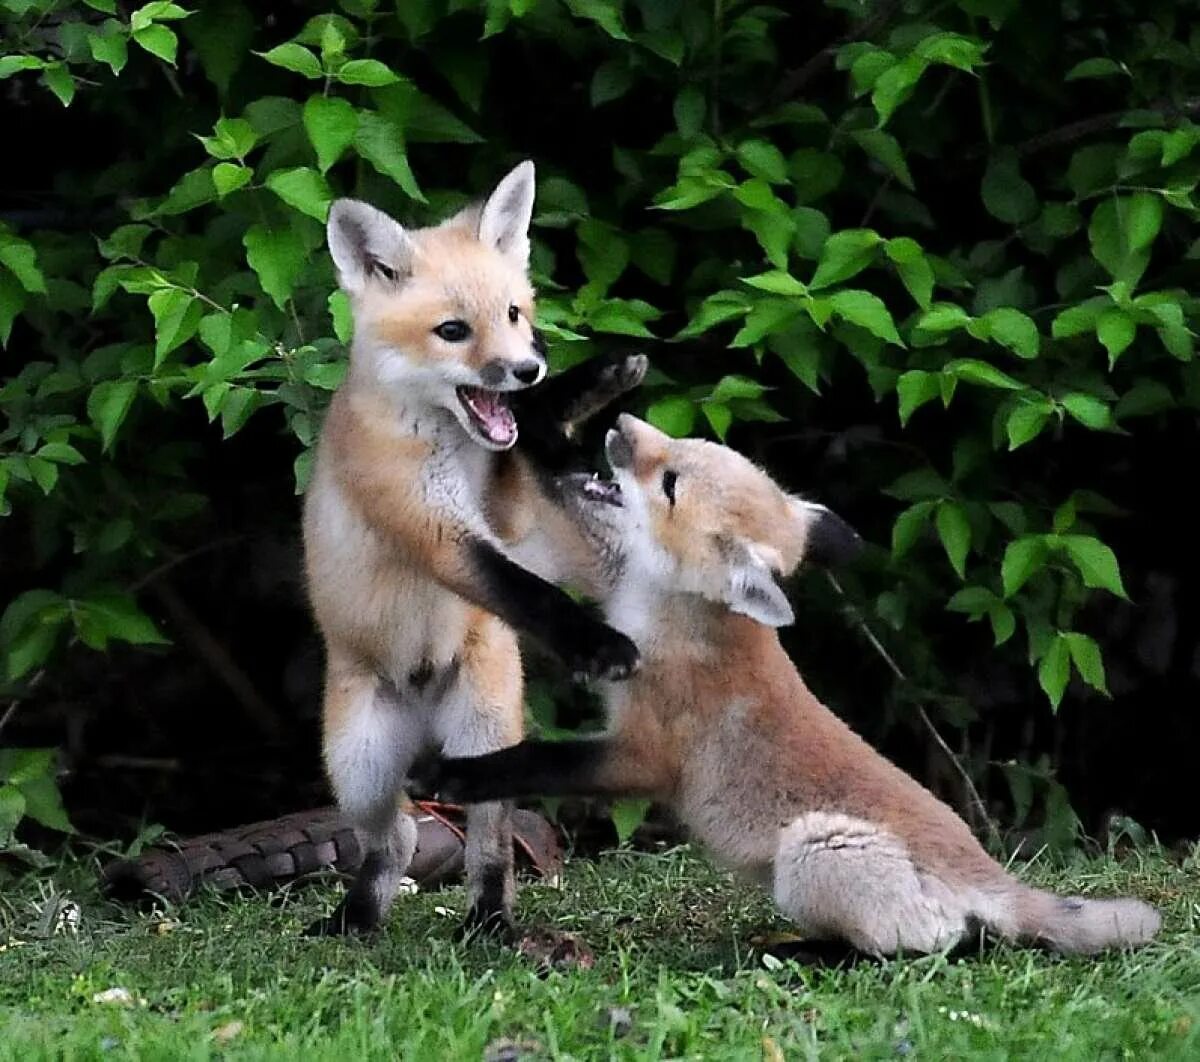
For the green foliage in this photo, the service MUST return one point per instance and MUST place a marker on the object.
(923, 218)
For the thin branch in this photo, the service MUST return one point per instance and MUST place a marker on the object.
(220, 661)
(797, 79)
(975, 800)
(16, 702)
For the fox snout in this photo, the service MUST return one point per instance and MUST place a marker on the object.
(831, 541)
(503, 375)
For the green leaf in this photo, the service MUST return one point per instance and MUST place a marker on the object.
(230, 176)
(343, 318)
(845, 254)
(63, 453)
(330, 123)
(761, 158)
(1004, 623)
(628, 815)
(121, 618)
(1097, 564)
(304, 189)
(954, 529)
(605, 13)
(1109, 232)
(1099, 67)
(1023, 558)
(294, 57)
(1143, 217)
(915, 388)
(369, 72)
(719, 307)
(12, 302)
(884, 149)
(675, 415)
(59, 81)
(176, 317)
(908, 527)
(1076, 320)
(1013, 329)
(1006, 194)
(972, 600)
(12, 810)
(942, 317)
(972, 370)
(43, 804)
(108, 405)
(1054, 670)
(277, 256)
(1026, 421)
(1145, 398)
(719, 417)
(380, 143)
(1115, 329)
(1085, 654)
(1088, 410)
(158, 41)
(867, 311)
(690, 108)
(611, 81)
(19, 257)
(894, 86)
(730, 387)
(14, 64)
(777, 282)
(915, 272)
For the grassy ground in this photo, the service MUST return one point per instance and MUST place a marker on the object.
(675, 976)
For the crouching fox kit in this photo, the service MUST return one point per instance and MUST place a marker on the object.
(719, 725)
(417, 523)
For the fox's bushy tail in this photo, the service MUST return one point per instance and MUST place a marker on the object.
(1075, 925)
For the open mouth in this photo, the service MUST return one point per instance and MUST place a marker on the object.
(592, 487)
(489, 412)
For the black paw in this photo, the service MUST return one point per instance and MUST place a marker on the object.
(608, 655)
(426, 777)
(486, 921)
(347, 920)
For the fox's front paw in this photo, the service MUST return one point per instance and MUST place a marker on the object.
(607, 654)
(624, 374)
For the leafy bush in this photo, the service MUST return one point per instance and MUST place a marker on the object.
(966, 225)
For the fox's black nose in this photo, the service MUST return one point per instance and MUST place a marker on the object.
(528, 372)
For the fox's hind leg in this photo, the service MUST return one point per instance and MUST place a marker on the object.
(482, 714)
(370, 741)
(842, 878)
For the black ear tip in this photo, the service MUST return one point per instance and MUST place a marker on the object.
(832, 542)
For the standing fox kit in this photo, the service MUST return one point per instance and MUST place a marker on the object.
(719, 725)
(407, 522)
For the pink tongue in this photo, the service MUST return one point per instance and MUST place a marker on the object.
(496, 418)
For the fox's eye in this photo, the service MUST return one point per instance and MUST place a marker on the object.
(453, 331)
(514, 314)
(668, 484)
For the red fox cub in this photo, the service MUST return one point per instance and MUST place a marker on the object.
(412, 499)
(719, 725)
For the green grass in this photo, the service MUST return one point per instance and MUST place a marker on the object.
(672, 945)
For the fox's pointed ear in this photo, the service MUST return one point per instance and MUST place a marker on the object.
(367, 246)
(504, 219)
(750, 588)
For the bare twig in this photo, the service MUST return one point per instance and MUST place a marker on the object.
(976, 801)
(1097, 123)
(219, 660)
(173, 562)
(795, 80)
(16, 702)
